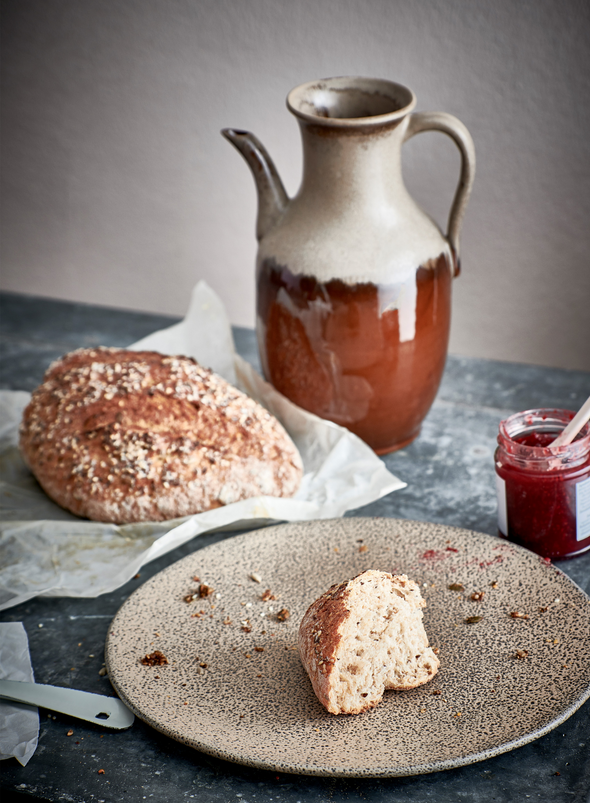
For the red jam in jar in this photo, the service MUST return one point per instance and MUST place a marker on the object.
(543, 493)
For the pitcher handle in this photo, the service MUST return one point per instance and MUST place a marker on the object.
(448, 124)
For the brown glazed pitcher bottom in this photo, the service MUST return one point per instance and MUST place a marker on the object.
(330, 349)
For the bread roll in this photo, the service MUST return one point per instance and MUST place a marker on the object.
(362, 637)
(124, 436)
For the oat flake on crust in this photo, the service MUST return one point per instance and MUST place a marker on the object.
(124, 436)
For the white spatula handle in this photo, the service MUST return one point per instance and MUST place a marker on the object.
(107, 711)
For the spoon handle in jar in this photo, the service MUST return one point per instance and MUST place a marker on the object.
(107, 711)
(574, 426)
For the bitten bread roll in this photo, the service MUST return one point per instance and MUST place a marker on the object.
(125, 436)
(362, 637)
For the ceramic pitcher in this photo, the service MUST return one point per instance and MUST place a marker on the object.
(353, 278)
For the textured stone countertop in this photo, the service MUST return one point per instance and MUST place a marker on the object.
(450, 474)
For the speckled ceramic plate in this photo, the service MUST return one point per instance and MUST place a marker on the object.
(514, 665)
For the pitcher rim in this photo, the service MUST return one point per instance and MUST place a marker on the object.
(300, 97)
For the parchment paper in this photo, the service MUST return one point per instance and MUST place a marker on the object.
(45, 550)
(19, 723)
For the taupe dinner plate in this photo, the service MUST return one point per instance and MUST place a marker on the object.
(514, 663)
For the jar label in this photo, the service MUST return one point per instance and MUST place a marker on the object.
(502, 507)
(583, 510)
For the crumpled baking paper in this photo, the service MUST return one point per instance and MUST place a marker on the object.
(19, 723)
(44, 550)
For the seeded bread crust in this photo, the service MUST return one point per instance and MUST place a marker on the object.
(364, 636)
(126, 436)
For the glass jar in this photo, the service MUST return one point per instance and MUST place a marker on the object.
(543, 493)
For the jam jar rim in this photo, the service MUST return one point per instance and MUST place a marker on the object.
(542, 458)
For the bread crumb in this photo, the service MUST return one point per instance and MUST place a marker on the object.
(155, 658)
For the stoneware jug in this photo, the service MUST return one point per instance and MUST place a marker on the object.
(353, 278)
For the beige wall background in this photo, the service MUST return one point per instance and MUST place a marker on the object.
(118, 189)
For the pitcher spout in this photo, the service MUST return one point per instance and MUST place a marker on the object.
(272, 198)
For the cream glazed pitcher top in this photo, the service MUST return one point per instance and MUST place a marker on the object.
(353, 278)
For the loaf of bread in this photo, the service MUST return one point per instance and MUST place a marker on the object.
(124, 436)
(364, 636)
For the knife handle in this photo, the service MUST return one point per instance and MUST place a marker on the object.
(109, 712)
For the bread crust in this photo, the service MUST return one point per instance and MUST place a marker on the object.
(125, 436)
(329, 637)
